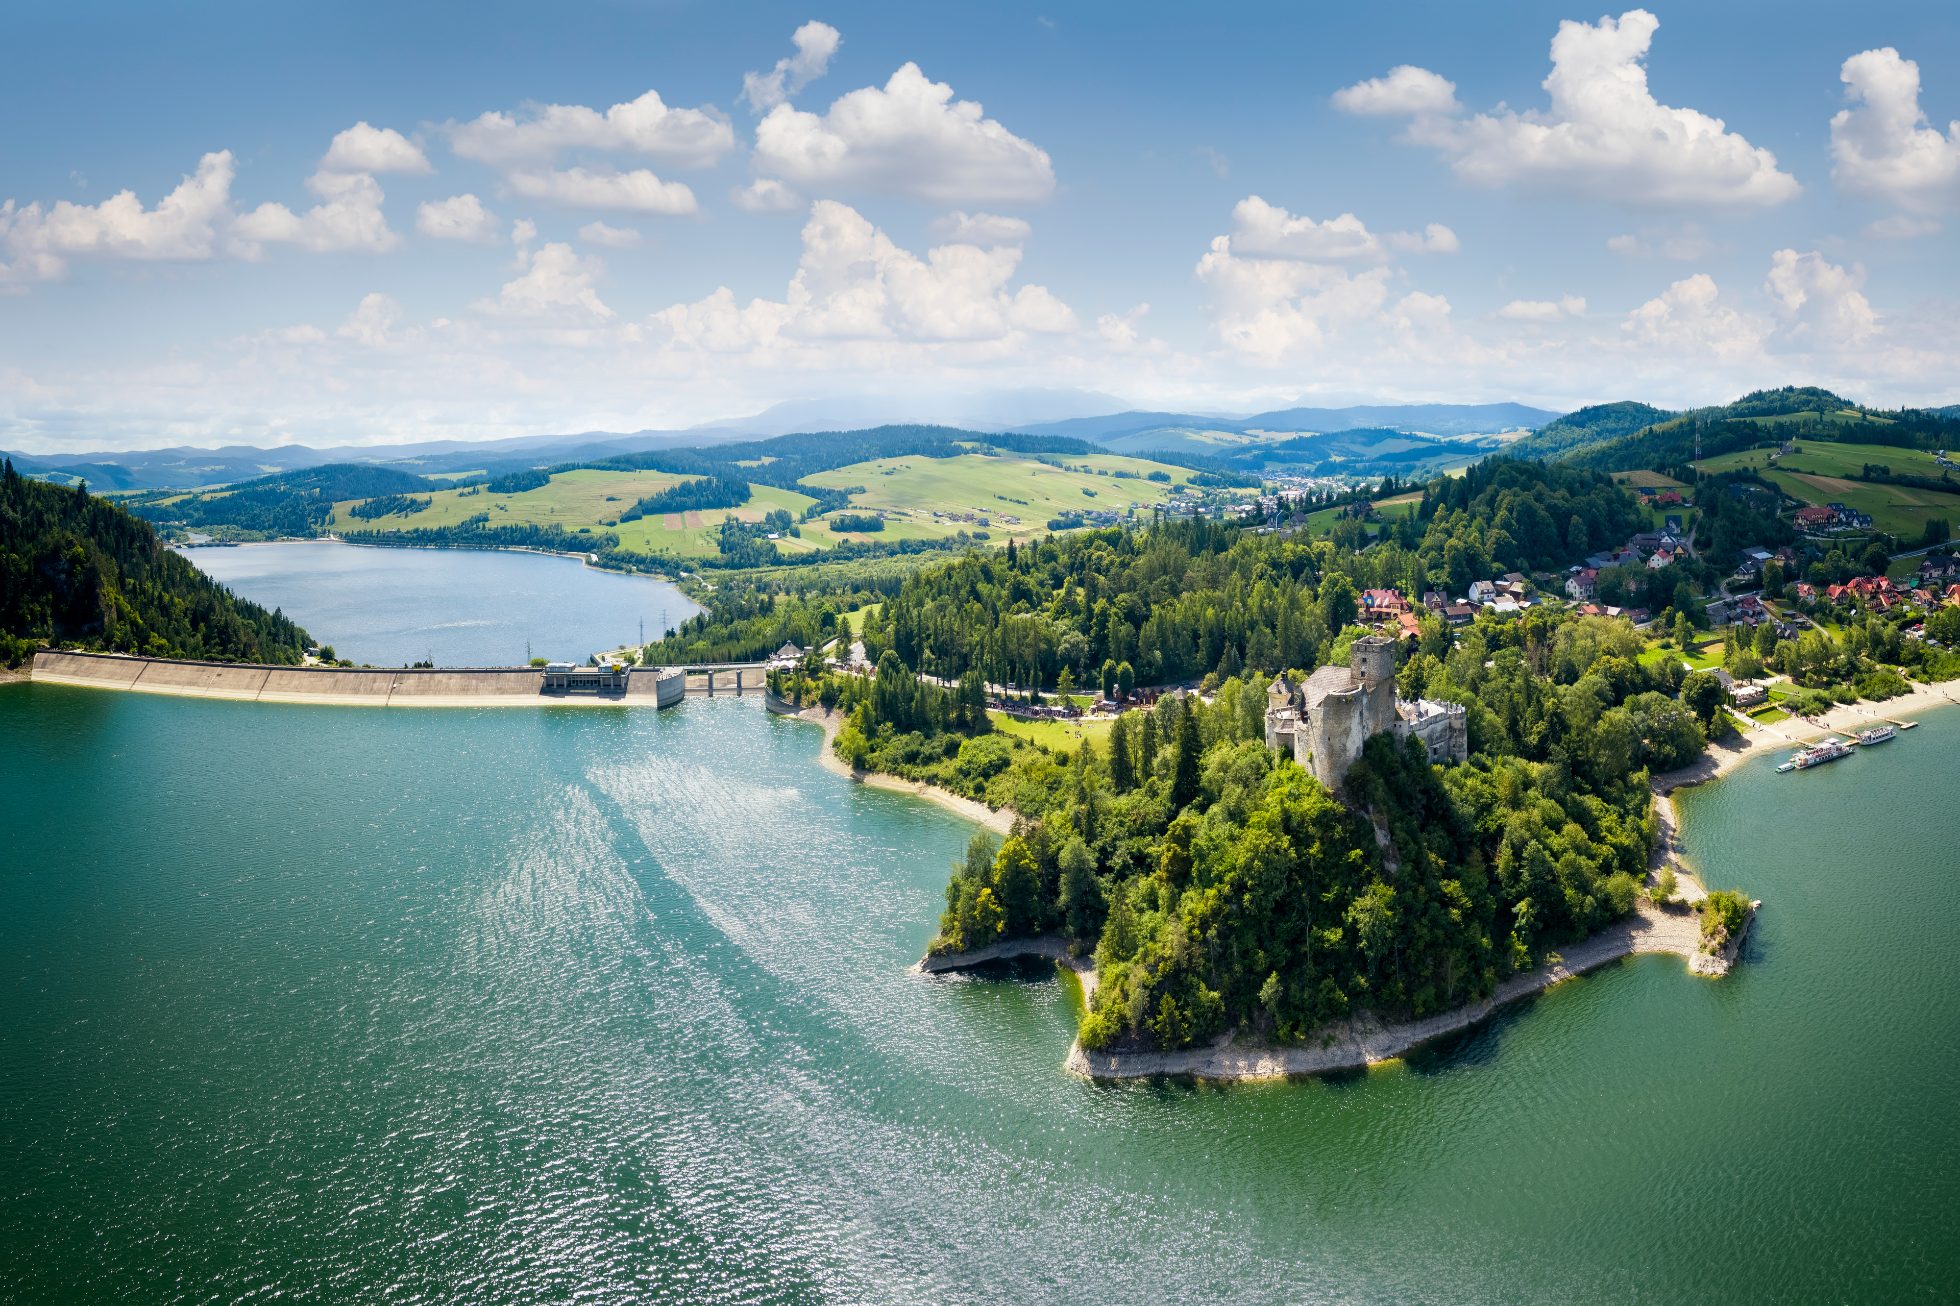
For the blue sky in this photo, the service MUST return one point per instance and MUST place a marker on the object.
(1167, 205)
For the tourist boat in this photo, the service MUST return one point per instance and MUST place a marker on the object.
(1824, 750)
(1877, 735)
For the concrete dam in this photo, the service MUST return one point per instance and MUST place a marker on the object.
(361, 686)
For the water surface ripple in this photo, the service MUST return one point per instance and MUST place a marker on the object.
(508, 1006)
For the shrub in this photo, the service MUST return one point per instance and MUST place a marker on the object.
(1722, 914)
(1665, 886)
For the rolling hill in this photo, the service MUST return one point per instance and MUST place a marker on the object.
(1762, 418)
(1589, 426)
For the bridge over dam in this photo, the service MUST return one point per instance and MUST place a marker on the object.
(367, 686)
(725, 679)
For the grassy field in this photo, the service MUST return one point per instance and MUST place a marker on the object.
(1816, 472)
(1894, 508)
(1829, 458)
(1706, 655)
(907, 492)
(1062, 736)
(587, 500)
(856, 617)
(1016, 496)
(1645, 480)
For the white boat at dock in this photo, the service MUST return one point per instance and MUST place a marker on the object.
(1824, 750)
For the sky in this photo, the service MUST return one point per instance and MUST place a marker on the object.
(360, 223)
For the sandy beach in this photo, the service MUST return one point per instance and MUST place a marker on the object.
(1724, 755)
(831, 722)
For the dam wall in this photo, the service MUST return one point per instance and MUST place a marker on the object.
(345, 686)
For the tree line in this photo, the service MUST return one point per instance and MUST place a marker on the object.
(79, 571)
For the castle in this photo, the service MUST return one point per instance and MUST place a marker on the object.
(1327, 720)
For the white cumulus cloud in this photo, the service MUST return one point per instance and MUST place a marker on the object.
(647, 126)
(766, 195)
(372, 323)
(909, 136)
(188, 223)
(815, 43)
(601, 233)
(1264, 230)
(460, 217)
(348, 217)
(1405, 92)
(1819, 304)
(636, 191)
(557, 284)
(1689, 319)
(1543, 310)
(365, 148)
(1604, 135)
(857, 290)
(1882, 143)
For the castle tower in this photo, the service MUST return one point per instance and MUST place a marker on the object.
(1373, 660)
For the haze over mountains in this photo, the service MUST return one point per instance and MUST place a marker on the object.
(1081, 414)
(1438, 436)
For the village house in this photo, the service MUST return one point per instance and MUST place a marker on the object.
(1384, 603)
(1851, 517)
(1583, 584)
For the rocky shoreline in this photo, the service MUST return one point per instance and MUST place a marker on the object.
(1364, 1041)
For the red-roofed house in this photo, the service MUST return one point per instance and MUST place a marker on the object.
(1815, 516)
(1384, 603)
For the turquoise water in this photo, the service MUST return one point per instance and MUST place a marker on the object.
(459, 607)
(508, 1006)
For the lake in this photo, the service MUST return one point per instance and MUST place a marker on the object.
(459, 607)
(515, 1005)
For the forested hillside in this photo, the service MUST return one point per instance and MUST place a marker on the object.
(1760, 418)
(79, 571)
(286, 503)
(1220, 885)
(1588, 426)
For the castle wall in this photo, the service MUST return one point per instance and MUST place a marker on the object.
(1336, 730)
(1328, 731)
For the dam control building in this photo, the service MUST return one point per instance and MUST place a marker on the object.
(1326, 721)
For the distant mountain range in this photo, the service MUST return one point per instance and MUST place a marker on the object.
(1134, 431)
(1086, 416)
(183, 467)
